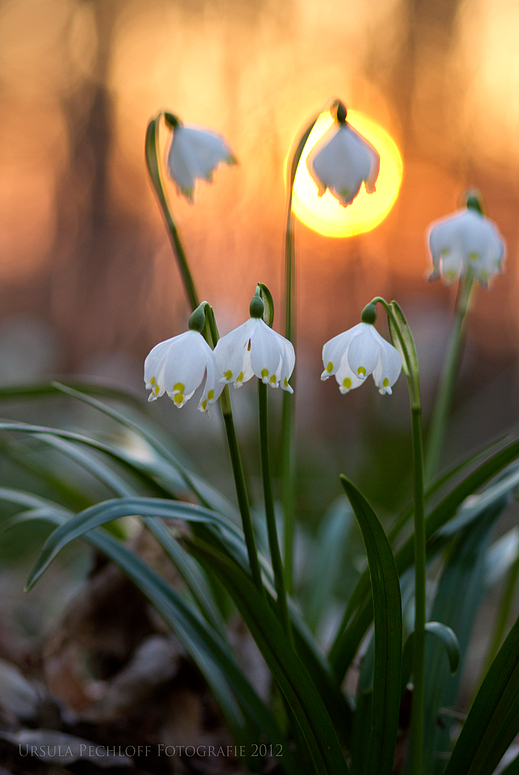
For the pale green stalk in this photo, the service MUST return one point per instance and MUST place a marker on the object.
(288, 406)
(152, 162)
(275, 554)
(403, 340)
(211, 333)
(448, 378)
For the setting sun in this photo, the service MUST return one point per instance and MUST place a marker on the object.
(325, 214)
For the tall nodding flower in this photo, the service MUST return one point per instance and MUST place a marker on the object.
(466, 241)
(255, 349)
(181, 364)
(194, 153)
(359, 352)
(342, 160)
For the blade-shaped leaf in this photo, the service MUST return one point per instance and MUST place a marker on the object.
(294, 681)
(387, 612)
(206, 648)
(353, 629)
(493, 720)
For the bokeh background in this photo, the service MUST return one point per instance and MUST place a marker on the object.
(88, 283)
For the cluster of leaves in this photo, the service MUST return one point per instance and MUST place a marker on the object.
(319, 728)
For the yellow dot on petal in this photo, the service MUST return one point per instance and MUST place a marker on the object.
(264, 372)
(445, 251)
(361, 370)
(346, 383)
(157, 390)
(204, 404)
(329, 368)
(152, 381)
(273, 379)
(385, 382)
(228, 374)
(345, 192)
(179, 387)
(240, 377)
(285, 382)
(178, 398)
(450, 274)
(473, 256)
(210, 395)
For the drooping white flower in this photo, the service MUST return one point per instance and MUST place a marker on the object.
(255, 349)
(465, 241)
(342, 160)
(358, 352)
(194, 153)
(179, 366)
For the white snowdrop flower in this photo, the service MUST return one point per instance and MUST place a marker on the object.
(342, 161)
(179, 366)
(194, 153)
(465, 241)
(358, 352)
(255, 349)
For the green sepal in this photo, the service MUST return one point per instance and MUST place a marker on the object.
(171, 120)
(268, 301)
(473, 200)
(197, 319)
(369, 314)
(256, 308)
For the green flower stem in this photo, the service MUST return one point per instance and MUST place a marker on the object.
(448, 378)
(288, 406)
(152, 162)
(417, 713)
(211, 334)
(405, 344)
(237, 467)
(275, 554)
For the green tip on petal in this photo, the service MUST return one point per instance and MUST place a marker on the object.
(369, 314)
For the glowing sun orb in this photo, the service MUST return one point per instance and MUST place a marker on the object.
(325, 214)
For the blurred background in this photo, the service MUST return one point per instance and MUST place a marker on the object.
(88, 283)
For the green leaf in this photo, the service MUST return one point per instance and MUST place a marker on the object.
(350, 634)
(493, 720)
(463, 570)
(43, 389)
(224, 536)
(328, 561)
(108, 510)
(295, 683)
(387, 611)
(449, 641)
(207, 649)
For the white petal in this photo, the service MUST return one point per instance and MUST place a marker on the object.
(363, 352)
(345, 377)
(233, 357)
(342, 162)
(194, 154)
(177, 366)
(335, 349)
(212, 388)
(267, 351)
(388, 368)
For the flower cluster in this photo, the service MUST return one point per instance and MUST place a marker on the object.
(183, 363)
(357, 353)
(465, 241)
